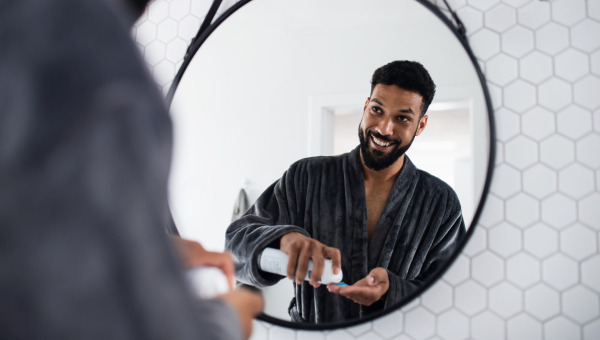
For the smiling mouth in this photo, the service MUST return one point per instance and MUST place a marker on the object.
(380, 142)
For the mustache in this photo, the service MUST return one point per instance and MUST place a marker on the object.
(384, 138)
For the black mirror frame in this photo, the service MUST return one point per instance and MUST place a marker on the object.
(206, 30)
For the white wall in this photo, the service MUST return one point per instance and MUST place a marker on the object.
(531, 270)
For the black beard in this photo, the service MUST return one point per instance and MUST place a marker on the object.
(377, 160)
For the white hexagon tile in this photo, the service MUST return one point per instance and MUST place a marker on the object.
(531, 269)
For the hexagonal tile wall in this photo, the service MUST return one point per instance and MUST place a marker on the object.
(389, 325)
(470, 298)
(572, 64)
(439, 298)
(589, 214)
(504, 239)
(500, 18)
(483, 5)
(534, 14)
(582, 36)
(459, 272)
(539, 181)
(540, 240)
(521, 152)
(477, 243)
(452, 325)
(535, 67)
(552, 38)
(530, 270)
(522, 210)
(559, 211)
(507, 181)
(555, 94)
(502, 69)
(542, 302)
(494, 213)
(519, 96)
(506, 300)
(471, 18)
(590, 275)
(586, 92)
(574, 121)
(517, 41)
(560, 272)
(595, 62)
(486, 43)
(568, 12)
(580, 304)
(509, 124)
(557, 151)
(578, 241)
(419, 323)
(588, 150)
(561, 328)
(523, 270)
(487, 268)
(524, 327)
(489, 326)
(576, 181)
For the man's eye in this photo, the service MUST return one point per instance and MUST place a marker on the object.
(376, 109)
(403, 118)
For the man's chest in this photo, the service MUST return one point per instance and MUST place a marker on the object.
(376, 198)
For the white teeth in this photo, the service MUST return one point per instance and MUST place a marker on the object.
(380, 142)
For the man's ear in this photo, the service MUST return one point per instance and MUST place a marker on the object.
(366, 103)
(422, 124)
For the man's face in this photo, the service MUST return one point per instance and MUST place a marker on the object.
(390, 123)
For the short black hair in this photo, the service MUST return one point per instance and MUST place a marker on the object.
(407, 75)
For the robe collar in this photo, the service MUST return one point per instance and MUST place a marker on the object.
(379, 251)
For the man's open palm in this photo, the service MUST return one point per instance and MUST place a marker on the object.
(366, 291)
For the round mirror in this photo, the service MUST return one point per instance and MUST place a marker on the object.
(279, 81)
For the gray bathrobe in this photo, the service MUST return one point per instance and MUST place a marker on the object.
(324, 198)
(85, 150)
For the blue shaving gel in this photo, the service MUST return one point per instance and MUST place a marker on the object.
(341, 284)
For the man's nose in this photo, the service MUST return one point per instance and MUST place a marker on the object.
(385, 127)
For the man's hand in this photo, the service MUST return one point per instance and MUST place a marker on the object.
(192, 254)
(247, 305)
(366, 291)
(301, 249)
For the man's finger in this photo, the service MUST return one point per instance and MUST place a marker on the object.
(336, 258)
(318, 265)
(362, 295)
(294, 252)
(302, 266)
(333, 288)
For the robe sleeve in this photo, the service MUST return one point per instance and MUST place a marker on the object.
(263, 225)
(448, 238)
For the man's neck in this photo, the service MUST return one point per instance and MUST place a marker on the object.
(388, 174)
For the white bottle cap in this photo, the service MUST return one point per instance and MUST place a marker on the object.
(207, 282)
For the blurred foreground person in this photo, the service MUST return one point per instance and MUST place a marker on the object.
(85, 149)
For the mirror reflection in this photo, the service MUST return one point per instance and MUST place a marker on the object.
(350, 140)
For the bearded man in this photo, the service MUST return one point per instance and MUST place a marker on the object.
(386, 224)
